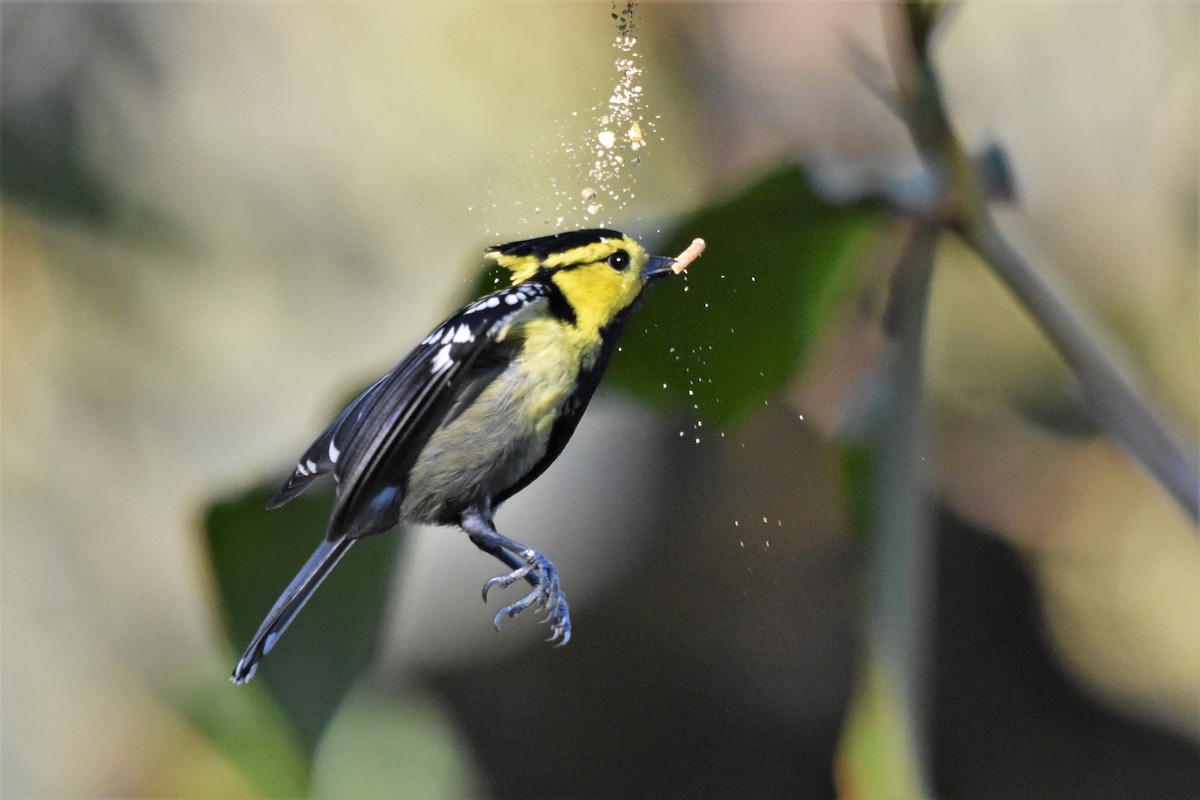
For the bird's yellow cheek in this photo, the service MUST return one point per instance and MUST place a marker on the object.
(597, 293)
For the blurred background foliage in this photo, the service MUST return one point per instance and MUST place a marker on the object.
(221, 220)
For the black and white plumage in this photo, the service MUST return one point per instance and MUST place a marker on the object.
(479, 409)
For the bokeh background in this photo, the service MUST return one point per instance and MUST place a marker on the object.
(220, 220)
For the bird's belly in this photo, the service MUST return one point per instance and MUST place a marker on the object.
(488, 448)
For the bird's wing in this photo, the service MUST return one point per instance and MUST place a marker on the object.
(371, 441)
(322, 455)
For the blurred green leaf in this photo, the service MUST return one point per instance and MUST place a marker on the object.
(46, 167)
(254, 555)
(251, 731)
(380, 746)
(875, 757)
(857, 462)
(779, 260)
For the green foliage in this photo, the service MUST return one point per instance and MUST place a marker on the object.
(383, 746)
(306, 725)
(249, 729)
(47, 170)
(875, 757)
(779, 260)
(254, 555)
(857, 462)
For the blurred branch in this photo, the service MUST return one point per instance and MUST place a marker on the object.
(885, 748)
(902, 561)
(1117, 406)
(953, 195)
(957, 198)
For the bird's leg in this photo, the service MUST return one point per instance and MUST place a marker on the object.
(527, 563)
(496, 551)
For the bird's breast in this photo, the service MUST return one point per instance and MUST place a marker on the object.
(496, 440)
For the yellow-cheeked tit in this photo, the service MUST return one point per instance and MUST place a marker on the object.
(477, 411)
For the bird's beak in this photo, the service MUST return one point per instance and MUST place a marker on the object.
(657, 266)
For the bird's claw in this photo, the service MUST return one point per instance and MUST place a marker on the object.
(547, 594)
(504, 581)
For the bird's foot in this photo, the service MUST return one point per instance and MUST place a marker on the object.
(505, 581)
(546, 594)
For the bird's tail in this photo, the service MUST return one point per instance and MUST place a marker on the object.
(324, 559)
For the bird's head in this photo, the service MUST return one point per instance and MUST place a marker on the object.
(600, 272)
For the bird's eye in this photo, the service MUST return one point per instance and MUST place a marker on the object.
(619, 260)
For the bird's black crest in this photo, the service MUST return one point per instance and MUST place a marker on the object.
(543, 246)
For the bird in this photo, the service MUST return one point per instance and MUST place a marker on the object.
(476, 412)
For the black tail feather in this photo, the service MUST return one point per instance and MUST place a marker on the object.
(324, 559)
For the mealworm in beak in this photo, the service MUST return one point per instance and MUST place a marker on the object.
(684, 259)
